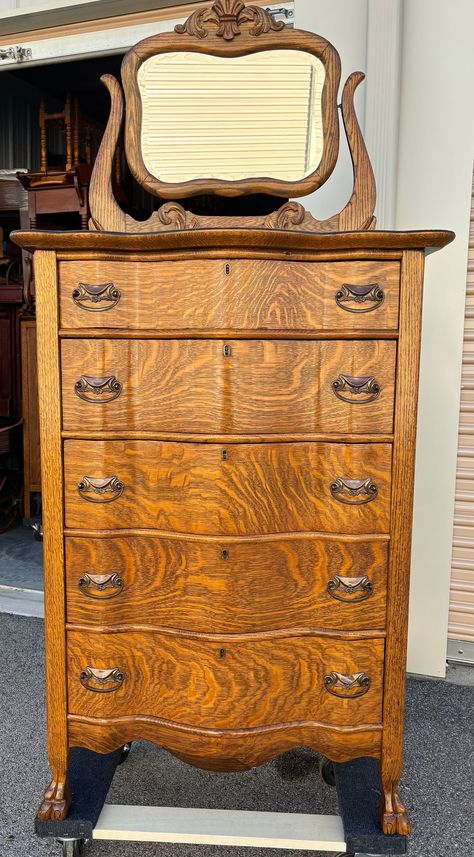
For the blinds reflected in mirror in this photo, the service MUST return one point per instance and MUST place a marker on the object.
(231, 118)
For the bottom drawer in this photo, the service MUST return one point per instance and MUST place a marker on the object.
(227, 683)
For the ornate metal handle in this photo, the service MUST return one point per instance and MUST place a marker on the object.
(98, 390)
(344, 490)
(339, 587)
(366, 389)
(102, 490)
(102, 681)
(360, 682)
(366, 298)
(105, 293)
(101, 583)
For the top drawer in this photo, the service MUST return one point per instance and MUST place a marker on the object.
(234, 295)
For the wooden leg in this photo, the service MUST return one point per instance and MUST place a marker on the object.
(57, 797)
(393, 815)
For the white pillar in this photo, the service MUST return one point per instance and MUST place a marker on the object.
(436, 148)
(344, 24)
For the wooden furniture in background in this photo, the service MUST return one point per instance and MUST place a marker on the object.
(58, 193)
(55, 190)
(228, 422)
(31, 440)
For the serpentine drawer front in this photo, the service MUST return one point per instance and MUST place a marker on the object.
(239, 489)
(234, 294)
(225, 684)
(228, 586)
(228, 386)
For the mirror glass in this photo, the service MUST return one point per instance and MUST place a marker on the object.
(231, 118)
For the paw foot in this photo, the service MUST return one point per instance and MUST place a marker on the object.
(56, 802)
(394, 817)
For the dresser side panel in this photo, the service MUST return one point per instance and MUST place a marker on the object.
(52, 483)
(403, 475)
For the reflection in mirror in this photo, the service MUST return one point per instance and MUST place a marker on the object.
(231, 118)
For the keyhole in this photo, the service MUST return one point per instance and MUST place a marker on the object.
(222, 653)
(227, 351)
(225, 455)
(224, 553)
(227, 269)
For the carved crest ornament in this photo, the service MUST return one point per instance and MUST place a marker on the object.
(230, 28)
(229, 17)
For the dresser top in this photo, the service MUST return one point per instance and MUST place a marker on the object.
(283, 240)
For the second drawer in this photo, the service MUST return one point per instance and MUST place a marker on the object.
(228, 386)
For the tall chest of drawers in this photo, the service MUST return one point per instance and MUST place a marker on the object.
(228, 448)
(228, 422)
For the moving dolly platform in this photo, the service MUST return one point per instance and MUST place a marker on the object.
(355, 831)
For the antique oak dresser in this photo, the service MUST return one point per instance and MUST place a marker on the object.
(228, 416)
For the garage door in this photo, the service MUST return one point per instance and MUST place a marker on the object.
(461, 607)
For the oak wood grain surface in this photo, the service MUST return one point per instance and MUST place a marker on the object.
(259, 386)
(229, 750)
(216, 294)
(242, 685)
(57, 796)
(393, 814)
(226, 585)
(279, 240)
(247, 489)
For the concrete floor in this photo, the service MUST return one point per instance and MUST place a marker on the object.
(437, 786)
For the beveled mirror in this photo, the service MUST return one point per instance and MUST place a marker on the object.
(232, 118)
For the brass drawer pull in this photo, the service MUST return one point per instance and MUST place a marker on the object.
(363, 298)
(365, 389)
(105, 293)
(345, 490)
(105, 490)
(102, 681)
(93, 585)
(340, 587)
(98, 390)
(360, 682)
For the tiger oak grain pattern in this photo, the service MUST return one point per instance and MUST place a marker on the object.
(262, 386)
(216, 750)
(260, 488)
(254, 295)
(393, 814)
(57, 796)
(263, 242)
(256, 683)
(257, 585)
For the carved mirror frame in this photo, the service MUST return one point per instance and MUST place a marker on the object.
(231, 29)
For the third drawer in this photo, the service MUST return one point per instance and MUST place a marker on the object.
(234, 489)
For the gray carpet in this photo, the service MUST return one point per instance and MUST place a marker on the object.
(437, 786)
(21, 559)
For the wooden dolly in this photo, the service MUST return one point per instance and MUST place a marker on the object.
(355, 831)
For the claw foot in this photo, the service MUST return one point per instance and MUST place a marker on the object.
(394, 817)
(56, 801)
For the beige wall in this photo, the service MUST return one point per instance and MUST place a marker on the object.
(344, 24)
(432, 187)
(436, 148)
